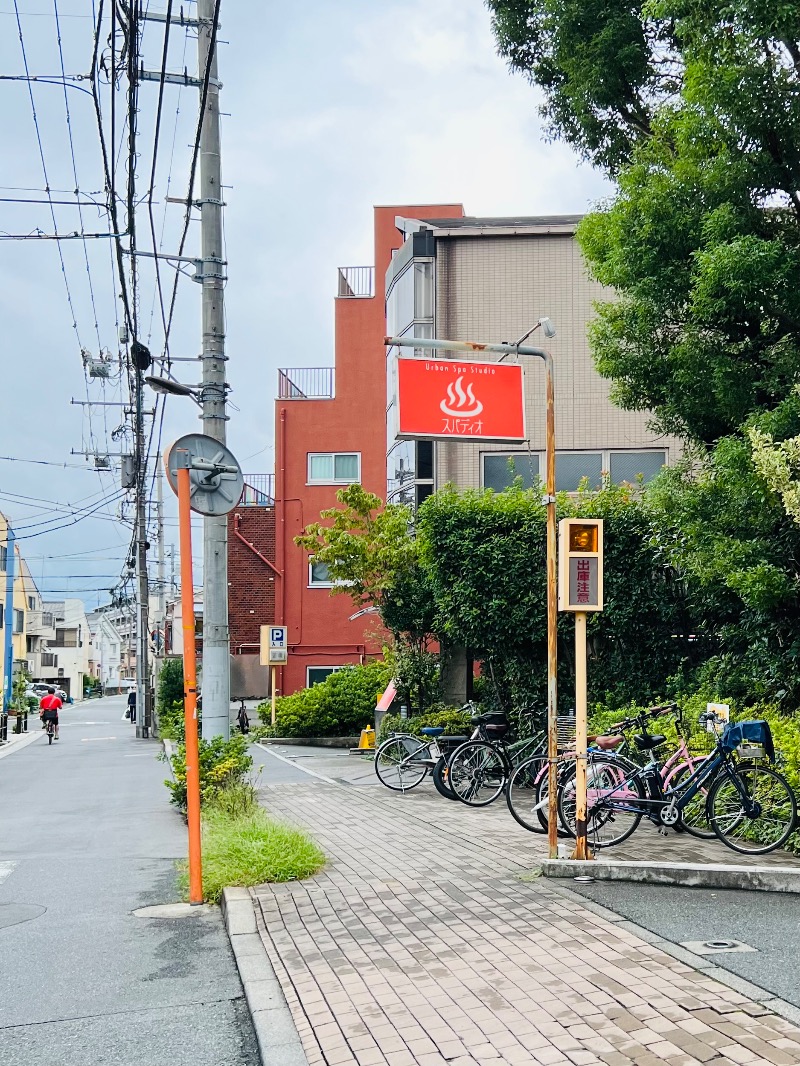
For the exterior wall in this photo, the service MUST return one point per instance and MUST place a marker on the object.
(492, 288)
(28, 601)
(108, 647)
(320, 633)
(251, 592)
(73, 662)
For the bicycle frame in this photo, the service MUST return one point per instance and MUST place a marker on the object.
(680, 796)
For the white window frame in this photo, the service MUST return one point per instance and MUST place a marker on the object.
(321, 666)
(333, 480)
(312, 584)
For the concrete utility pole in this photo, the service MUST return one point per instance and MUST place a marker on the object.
(216, 639)
(142, 583)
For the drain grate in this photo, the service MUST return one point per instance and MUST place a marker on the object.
(716, 947)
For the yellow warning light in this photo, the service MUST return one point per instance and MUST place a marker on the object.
(583, 538)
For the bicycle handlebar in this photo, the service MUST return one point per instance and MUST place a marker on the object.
(643, 718)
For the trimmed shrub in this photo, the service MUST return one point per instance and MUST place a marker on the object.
(341, 705)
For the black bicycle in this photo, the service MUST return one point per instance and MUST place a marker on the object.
(750, 806)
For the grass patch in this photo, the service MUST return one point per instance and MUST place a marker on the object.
(248, 848)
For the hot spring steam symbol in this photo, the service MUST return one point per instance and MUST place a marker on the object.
(460, 403)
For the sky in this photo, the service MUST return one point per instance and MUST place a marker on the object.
(329, 109)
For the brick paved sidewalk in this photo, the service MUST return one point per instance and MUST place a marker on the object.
(420, 945)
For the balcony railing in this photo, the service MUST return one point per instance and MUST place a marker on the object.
(306, 383)
(356, 282)
(259, 490)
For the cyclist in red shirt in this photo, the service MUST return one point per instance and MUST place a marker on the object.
(49, 707)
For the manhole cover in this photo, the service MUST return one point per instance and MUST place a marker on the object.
(173, 910)
(716, 947)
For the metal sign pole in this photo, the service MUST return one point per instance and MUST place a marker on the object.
(272, 693)
(190, 681)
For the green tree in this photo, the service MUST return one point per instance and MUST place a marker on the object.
(698, 122)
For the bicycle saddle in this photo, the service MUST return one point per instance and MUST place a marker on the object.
(489, 719)
(647, 743)
(432, 730)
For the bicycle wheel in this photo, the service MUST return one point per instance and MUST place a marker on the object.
(522, 794)
(760, 825)
(440, 775)
(477, 773)
(611, 797)
(399, 764)
(49, 736)
(694, 816)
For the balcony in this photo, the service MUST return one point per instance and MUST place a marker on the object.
(41, 624)
(259, 490)
(306, 383)
(356, 283)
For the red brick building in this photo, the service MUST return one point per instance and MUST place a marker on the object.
(330, 430)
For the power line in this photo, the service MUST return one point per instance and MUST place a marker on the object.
(44, 172)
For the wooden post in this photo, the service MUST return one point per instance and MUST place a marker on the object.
(581, 851)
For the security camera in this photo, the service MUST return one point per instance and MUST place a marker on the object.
(548, 327)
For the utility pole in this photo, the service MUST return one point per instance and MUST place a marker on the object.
(142, 583)
(216, 639)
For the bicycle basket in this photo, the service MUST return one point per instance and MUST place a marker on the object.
(753, 734)
(565, 732)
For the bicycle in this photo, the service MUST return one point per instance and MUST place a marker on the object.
(527, 792)
(750, 807)
(50, 726)
(404, 760)
(479, 770)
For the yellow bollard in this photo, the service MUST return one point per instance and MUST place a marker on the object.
(367, 738)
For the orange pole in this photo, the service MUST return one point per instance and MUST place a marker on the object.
(552, 609)
(190, 689)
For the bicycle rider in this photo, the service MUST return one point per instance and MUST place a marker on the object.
(49, 707)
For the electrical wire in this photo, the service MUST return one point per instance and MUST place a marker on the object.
(44, 173)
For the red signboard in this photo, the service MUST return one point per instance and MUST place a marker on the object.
(456, 400)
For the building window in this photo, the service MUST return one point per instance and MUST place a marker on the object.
(630, 466)
(2, 618)
(334, 468)
(66, 638)
(315, 674)
(3, 557)
(573, 467)
(501, 469)
(319, 576)
(19, 621)
(31, 603)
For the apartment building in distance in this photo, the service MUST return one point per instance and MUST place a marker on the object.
(72, 646)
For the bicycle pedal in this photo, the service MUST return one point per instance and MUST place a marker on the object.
(664, 832)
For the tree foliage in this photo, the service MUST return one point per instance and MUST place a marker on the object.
(698, 122)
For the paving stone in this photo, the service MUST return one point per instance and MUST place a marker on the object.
(426, 948)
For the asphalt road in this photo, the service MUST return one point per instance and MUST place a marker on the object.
(86, 837)
(767, 921)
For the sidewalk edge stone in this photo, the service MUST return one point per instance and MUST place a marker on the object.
(278, 1040)
(688, 874)
(766, 999)
(18, 745)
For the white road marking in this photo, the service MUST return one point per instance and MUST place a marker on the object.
(87, 740)
(5, 869)
(291, 762)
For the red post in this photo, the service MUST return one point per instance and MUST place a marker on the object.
(190, 688)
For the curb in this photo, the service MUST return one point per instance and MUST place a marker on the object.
(688, 874)
(278, 1040)
(23, 742)
(312, 742)
(762, 996)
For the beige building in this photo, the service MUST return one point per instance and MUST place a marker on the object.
(491, 279)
